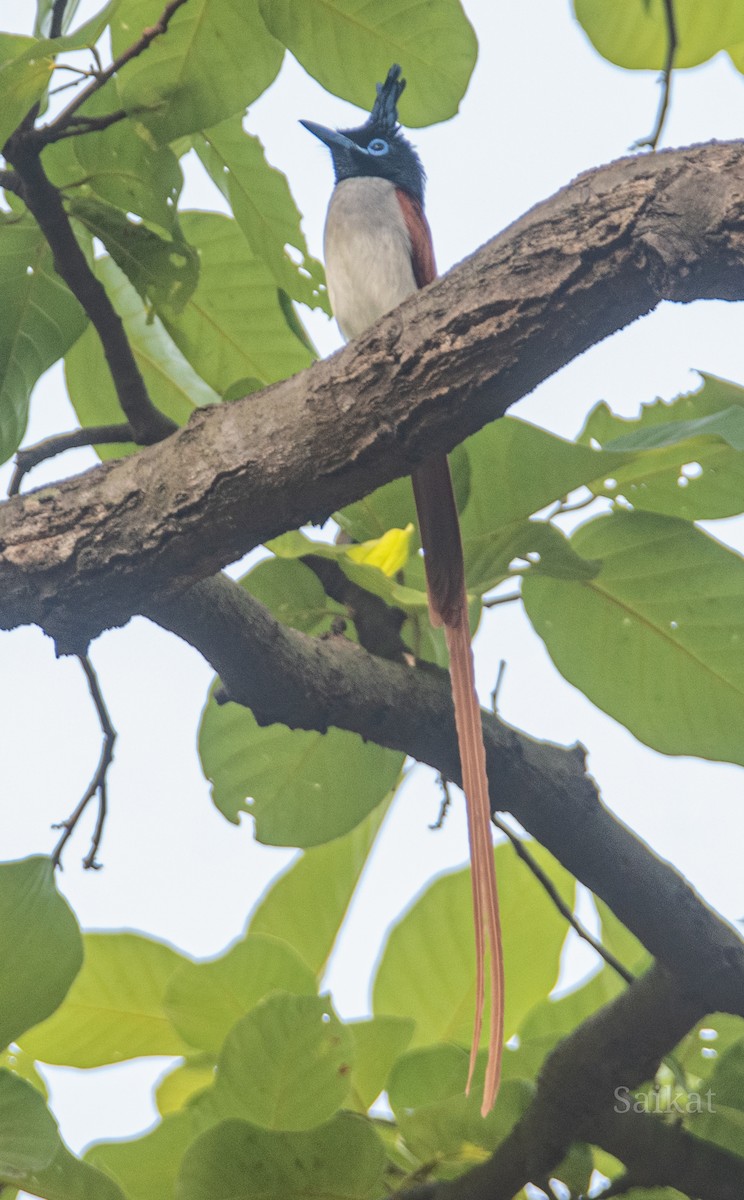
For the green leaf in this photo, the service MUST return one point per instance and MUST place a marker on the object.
(297, 781)
(40, 319)
(263, 206)
(341, 1160)
(68, 1178)
(634, 34)
(32, 1155)
(25, 69)
(233, 326)
(40, 946)
(307, 905)
(204, 1000)
(517, 469)
(28, 1131)
(427, 970)
(286, 1064)
(692, 466)
(293, 593)
(536, 546)
(119, 165)
(164, 272)
(378, 1042)
(114, 1010)
(172, 384)
(349, 45)
(704, 1045)
(185, 1081)
(439, 1123)
(722, 1125)
(653, 638)
(216, 58)
(146, 1167)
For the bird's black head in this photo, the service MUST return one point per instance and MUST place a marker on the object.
(377, 147)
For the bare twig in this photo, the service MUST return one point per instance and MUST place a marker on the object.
(444, 805)
(508, 599)
(546, 882)
(97, 785)
(51, 132)
(497, 686)
(652, 141)
(92, 435)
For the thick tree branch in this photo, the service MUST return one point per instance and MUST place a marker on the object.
(602, 252)
(312, 683)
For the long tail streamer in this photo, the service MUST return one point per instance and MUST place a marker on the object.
(448, 607)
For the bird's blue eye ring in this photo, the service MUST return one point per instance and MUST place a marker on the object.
(378, 146)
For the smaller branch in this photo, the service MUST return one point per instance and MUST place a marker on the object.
(58, 16)
(50, 132)
(97, 785)
(378, 625)
(10, 181)
(652, 141)
(92, 435)
(44, 202)
(445, 805)
(546, 882)
(497, 686)
(508, 599)
(79, 125)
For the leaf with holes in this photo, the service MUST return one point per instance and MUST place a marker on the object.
(655, 639)
(119, 165)
(349, 45)
(687, 459)
(263, 206)
(302, 788)
(163, 271)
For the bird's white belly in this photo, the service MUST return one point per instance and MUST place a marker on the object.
(367, 253)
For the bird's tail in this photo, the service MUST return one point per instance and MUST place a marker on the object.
(445, 576)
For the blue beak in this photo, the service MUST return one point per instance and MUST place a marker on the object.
(332, 137)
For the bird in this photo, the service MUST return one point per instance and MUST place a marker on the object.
(378, 250)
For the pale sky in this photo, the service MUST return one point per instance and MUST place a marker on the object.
(542, 107)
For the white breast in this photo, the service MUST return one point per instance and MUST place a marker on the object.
(367, 253)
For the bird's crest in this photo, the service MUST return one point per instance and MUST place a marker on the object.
(385, 111)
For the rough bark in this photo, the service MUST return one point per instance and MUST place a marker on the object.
(78, 558)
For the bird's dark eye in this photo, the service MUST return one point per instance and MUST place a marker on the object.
(378, 146)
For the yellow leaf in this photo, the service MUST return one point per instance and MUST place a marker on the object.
(390, 552)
